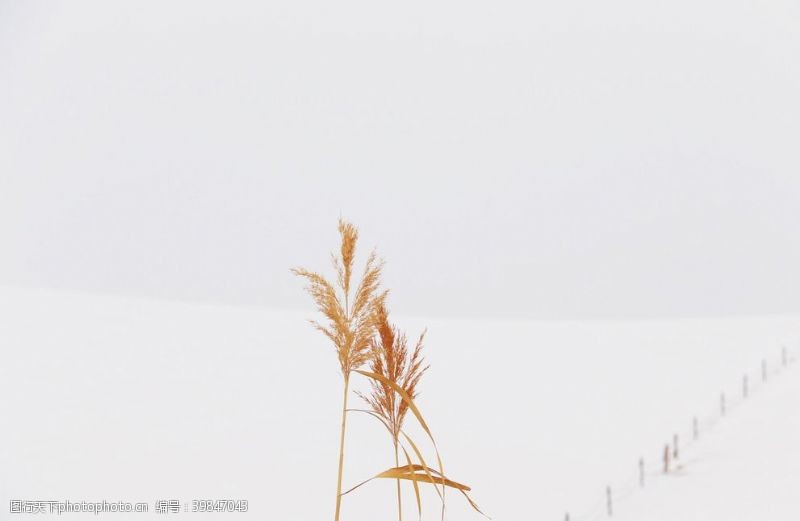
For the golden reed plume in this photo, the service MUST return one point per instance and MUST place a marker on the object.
(392, 360)
(351, 317)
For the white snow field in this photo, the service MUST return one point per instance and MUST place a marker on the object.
(107, 398)
(747, 468)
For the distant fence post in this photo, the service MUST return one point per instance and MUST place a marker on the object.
(609, 506)
(695, 428)
(641, 472)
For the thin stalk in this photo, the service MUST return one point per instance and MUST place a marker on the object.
(344, 421)
(341, 448)
(399, 500)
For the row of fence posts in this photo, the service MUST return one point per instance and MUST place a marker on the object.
(672, 453)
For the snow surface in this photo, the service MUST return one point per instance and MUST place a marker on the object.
(747, 467)
(138, 400)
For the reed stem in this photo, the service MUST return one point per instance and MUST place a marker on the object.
(341, 448)
(399, 499)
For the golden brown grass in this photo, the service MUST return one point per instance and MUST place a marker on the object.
(357, 324)
(392, 360)
(351, 317)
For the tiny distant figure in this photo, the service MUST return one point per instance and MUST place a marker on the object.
(666, 458)
(675, 446)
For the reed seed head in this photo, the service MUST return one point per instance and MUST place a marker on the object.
(350, 316)
(392, 359)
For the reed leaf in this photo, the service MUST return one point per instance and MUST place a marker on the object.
(415, 410)
(412, 473)
(413, 445)
(415, 483)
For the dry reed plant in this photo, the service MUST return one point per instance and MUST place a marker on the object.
(359, 329)
(351, 318)
(392, 360)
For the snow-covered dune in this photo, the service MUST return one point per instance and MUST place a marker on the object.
(139, 400)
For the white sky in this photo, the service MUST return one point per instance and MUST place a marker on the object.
(559, 159)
